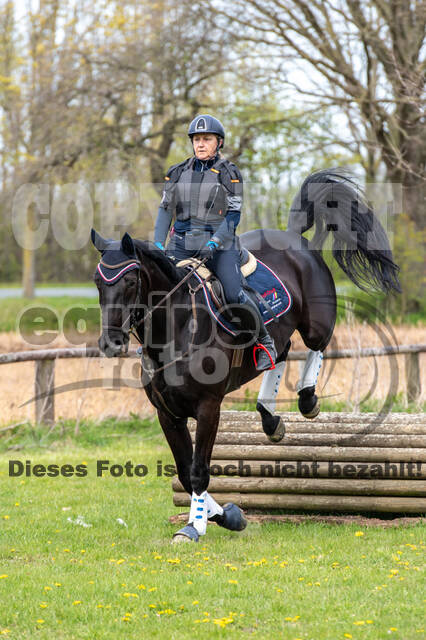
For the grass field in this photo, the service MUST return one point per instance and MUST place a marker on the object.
(56, 313)
(109, 580)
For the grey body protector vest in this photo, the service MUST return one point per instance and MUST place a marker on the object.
(200, 195)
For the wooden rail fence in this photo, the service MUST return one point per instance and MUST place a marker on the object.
(337, 462)
(44, 360)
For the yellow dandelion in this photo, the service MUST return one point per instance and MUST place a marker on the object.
(40, 621)
(347, 635)
(76, 602)
(358, 534)
(233, 581)
(4, 575)
(43, 605)
(195, 602)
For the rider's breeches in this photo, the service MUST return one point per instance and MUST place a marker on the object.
(225, 264)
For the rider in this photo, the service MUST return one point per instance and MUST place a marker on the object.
(204, 194)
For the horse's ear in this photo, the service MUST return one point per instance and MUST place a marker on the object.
(127, 245)
(99, 242)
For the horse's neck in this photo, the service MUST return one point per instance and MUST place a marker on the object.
(155, 286)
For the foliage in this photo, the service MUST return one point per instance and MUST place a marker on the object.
(101, 96)
(409, 244)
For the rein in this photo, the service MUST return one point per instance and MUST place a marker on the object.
(134, 323)
(170, 293)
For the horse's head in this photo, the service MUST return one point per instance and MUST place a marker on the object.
(117, 279)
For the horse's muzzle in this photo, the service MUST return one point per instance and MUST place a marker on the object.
(113, 344)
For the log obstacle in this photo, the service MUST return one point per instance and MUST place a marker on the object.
(338, 462)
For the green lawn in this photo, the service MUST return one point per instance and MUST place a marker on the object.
(49, 313)
(59, 579)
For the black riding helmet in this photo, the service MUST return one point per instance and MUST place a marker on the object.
(206, 124)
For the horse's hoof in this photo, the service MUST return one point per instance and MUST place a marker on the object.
(279, 432)
(232, 518)
(315, 411)
(187, 534)
(309, 405)
(273, 426)
(313, 414)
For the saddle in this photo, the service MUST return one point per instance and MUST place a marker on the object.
(248, 266)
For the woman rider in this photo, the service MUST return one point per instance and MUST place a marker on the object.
(204, 194)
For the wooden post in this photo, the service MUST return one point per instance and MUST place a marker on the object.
(44, 391)
(28, 267)
(412, 372)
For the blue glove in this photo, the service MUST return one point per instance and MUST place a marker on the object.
(208, 250)
(160, 245)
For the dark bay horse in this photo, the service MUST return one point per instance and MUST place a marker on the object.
(186, 357)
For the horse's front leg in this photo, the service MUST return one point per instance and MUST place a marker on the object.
(179, 440)
(203, 505)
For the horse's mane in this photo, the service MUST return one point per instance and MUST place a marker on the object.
(156, 255)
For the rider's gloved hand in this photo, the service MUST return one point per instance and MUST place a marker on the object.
(160, 245)
(208, 250)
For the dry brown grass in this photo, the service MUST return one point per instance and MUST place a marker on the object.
(344, 379)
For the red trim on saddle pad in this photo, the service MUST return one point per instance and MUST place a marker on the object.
(260, 346)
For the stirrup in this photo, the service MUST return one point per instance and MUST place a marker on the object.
(262, 348)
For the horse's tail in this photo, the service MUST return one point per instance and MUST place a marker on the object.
(331, 200)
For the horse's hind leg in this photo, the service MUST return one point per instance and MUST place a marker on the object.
(273, 425)
(309, 405)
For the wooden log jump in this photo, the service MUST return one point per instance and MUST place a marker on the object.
(337, 462)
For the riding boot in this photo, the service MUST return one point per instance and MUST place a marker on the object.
(266, 352)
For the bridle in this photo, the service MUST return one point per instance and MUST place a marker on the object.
(134, 322)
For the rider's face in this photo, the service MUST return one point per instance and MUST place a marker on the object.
(205, 145)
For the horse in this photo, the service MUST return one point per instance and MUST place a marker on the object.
(187, 358)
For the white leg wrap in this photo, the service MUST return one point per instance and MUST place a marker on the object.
(198, 512)
(212, 507)
(270, 386)
(311, 369)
